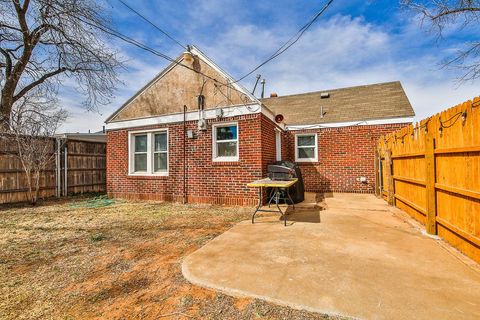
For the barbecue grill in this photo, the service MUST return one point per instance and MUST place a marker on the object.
(286, 170)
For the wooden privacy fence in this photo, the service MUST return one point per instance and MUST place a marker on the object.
(83, 171)
(432, 172)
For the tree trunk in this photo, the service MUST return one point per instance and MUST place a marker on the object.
(37, 187)
(6, 107)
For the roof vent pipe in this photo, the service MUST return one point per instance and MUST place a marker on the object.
(256, 83)
(263, 88)
(322, 113)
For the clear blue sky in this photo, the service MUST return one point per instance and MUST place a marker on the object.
(355, 42)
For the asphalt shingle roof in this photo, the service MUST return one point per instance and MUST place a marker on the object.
(369, 102)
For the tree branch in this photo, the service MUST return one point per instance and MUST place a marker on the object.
(452, 11)
(3, 25)
(35, 83)
(21, 17)
(8, 63)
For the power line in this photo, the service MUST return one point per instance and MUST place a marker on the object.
(290, 42)
(132, 41)
(153, 24)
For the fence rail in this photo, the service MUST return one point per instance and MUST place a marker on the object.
(431, 170)
(84, 170)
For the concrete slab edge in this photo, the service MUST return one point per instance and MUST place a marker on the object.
(245, 294)
(440, 241)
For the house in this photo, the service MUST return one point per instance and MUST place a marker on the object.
(194, 134)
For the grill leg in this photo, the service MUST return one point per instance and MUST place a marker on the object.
(277, 198)
(260, 200)
(290, 198)
(271, 196)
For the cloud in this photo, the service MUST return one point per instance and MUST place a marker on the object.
(347, 51)
(339, 51)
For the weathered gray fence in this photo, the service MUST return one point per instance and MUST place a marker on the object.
(83, 171)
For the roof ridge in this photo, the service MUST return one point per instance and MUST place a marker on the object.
(336, 89)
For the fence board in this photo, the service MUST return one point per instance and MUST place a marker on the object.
(86, 170)
(436, 174)
(86, 166)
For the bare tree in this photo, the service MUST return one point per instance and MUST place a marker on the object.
(47, 42)
(33, 123)
(441, 14)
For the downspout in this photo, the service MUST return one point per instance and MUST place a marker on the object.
(184, 154)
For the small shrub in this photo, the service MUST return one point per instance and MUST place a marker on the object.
(97, 237)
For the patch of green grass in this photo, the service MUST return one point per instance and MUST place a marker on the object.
(187, 301)
(97, 237)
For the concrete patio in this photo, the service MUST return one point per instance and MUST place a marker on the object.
(351, 255)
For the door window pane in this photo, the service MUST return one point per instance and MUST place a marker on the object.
(161, 142)
(140, 162)
(141, 143)
(160, 162)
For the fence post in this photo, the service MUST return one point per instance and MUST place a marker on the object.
(377, 173)
(430, 223)
(389, 176)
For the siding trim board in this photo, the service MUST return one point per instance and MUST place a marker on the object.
(229, 112)
(406, 120)
(238, 110)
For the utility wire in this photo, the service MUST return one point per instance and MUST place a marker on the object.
(153, 24)
(289, 43)
(142, 46)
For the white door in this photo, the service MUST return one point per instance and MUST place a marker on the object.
(278, 145)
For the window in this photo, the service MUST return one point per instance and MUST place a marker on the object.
(306, 148)
(160, 153)
(225, 142)
(140, 157)
(148, 153)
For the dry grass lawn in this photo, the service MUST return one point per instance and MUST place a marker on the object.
(91, 259)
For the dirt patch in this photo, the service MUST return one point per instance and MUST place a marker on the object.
(64, 260)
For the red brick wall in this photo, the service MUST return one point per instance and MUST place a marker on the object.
(344, 154)
(268, 144)
(207, 181)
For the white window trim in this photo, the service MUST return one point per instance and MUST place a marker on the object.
(214, 142)
(314, 159)
(150, 152)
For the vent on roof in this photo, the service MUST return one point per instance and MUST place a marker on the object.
(324, 95)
